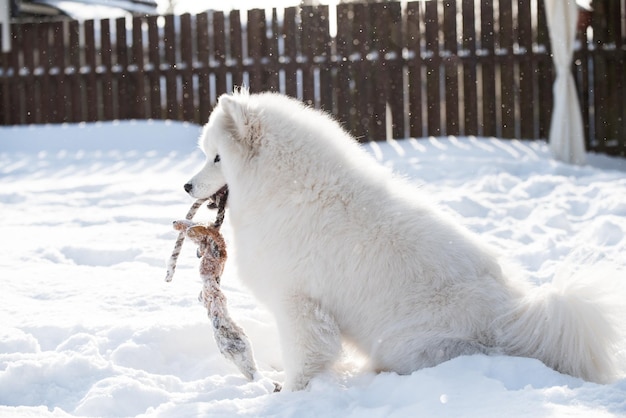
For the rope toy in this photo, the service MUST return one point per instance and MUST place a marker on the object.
(231, 340)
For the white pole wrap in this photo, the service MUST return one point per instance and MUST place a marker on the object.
(567, 140)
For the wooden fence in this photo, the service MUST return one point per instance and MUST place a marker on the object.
(454, 67)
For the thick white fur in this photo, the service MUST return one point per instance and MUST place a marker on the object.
(340, 249)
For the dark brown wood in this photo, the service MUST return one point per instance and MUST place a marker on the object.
(364, 92)
(616, 68)
(491, 76)
(125, 90)
(109, 106)
(308, 47)
(236, 51)
(28, 34)
(59, 95)
(74, 72)
(600, 83)
(15, 98)
(581, 72)
(545, 70)
(44, 105)
(414, 69)
(451, 64)
(527, 79)
(171, 86)
(315, 47)
(470, 81)
(185, 66)
(432, 60)
(137, 72)
(154, 68)
(489, 115)
(508, 88)
(220, 52)
(257, 49)
(290, 68)
(202, 68)
(89, 72)
(272, 60)
(346, 112)
(387, 49)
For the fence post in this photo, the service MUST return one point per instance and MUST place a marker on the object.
(414, 69)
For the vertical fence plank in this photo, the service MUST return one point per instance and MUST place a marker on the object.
(236, 49)
(4, 82)
(290, 51)
(508, 86)
(58, 100)
(379, 33)
(414, 69)
(137, 70)
(88, 72)
(202, 68)
(612, 49)
(433, 92)
(171, 93)
(125, 90)
(220, 52)
(526, 118)
(451, 67)
(44, 105)
(272, 61)
(366, 119)
(344, 46)
(488, 63)
(545, 70)
(581, 68)
(308, 48)
(109, 103)
(396, 70)
(257, 49)
(470, 81)
(387, 39)
(14, 88)
(600, 77)
(186, 69)
(621, 71)
(154, 68)
(317, 79)
(28, 33)
(74, 72)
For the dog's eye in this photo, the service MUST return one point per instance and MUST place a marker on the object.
(217, 159)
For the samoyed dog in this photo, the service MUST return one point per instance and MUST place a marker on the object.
(341, 250)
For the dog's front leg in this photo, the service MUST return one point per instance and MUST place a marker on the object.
(310, 338)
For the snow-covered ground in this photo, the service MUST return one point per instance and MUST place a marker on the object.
(88, 327)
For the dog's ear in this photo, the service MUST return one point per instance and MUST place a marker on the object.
(239, 118)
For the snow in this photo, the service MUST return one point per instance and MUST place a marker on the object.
(90, 328)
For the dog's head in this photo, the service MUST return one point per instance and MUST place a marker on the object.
(231, 128)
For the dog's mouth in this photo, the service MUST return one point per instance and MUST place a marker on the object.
(215, 199)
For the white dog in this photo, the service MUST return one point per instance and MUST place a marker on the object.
(341, 250)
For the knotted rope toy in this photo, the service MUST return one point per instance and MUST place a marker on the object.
(231, 340)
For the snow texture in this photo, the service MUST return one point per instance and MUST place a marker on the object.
(90, 328)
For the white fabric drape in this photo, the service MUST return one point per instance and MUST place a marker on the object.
(5, 21)
(567, 140)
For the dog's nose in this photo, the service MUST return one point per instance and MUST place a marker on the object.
(188, 187)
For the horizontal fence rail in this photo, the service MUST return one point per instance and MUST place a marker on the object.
(385, 70)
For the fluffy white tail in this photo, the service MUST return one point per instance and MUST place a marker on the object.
(570, 325)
